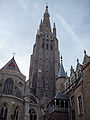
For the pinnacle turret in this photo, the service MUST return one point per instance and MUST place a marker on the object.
(54, 29)
(62, 73)
(41, 25)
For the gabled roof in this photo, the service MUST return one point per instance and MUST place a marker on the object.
(12, 65)
(61, 70)
(60, 95)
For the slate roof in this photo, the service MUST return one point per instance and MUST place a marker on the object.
(60, 95)
(61, 71)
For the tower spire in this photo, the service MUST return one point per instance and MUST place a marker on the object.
(61, 70)
(46, 21)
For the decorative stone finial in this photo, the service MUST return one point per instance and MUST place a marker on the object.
(46, 9)
(66, 73)
(71, 67)
(84, 52)
(14, 54)
(54, 29)
(77, 60)
(54, 26)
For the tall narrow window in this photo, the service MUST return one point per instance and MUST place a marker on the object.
(51, 47)
(43, 45)
(80, 105)
(3, 112)
(33, 115)
(47, 46)
(72, 101)
(16, 113)
(62, 103)
(8, 86)
(66, 104)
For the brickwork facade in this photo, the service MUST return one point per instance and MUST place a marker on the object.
(77, 87)
(44, 64)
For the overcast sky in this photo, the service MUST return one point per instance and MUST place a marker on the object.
(20, 19)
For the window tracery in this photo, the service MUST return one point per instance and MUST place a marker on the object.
(3, 112)
(8, 86)
(33, 115)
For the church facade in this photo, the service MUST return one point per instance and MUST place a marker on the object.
(49, 94)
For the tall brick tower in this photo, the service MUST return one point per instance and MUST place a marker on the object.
(44, 64)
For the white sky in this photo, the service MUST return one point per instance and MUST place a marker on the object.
(20, 19)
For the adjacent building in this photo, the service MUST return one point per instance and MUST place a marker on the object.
(12, 83)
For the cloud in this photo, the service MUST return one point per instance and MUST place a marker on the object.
(24, 6)
(67, 27)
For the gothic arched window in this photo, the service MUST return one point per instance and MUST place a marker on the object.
(8, 86)
(16, 113)
(3, 112)
(33, 115)
(43, 45)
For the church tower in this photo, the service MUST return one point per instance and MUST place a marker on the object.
(44, 63)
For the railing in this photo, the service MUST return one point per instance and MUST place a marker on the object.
(57, 109)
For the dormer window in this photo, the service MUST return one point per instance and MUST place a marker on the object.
(51, 47)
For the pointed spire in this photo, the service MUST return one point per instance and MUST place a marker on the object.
(41, 26)
(54, 29)
(71, 70)
(46, 21)
(77, 60)
(84, 52)
(62, 73)
(66, 74)
(71, 67)
(86, 58)
(54, 26)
